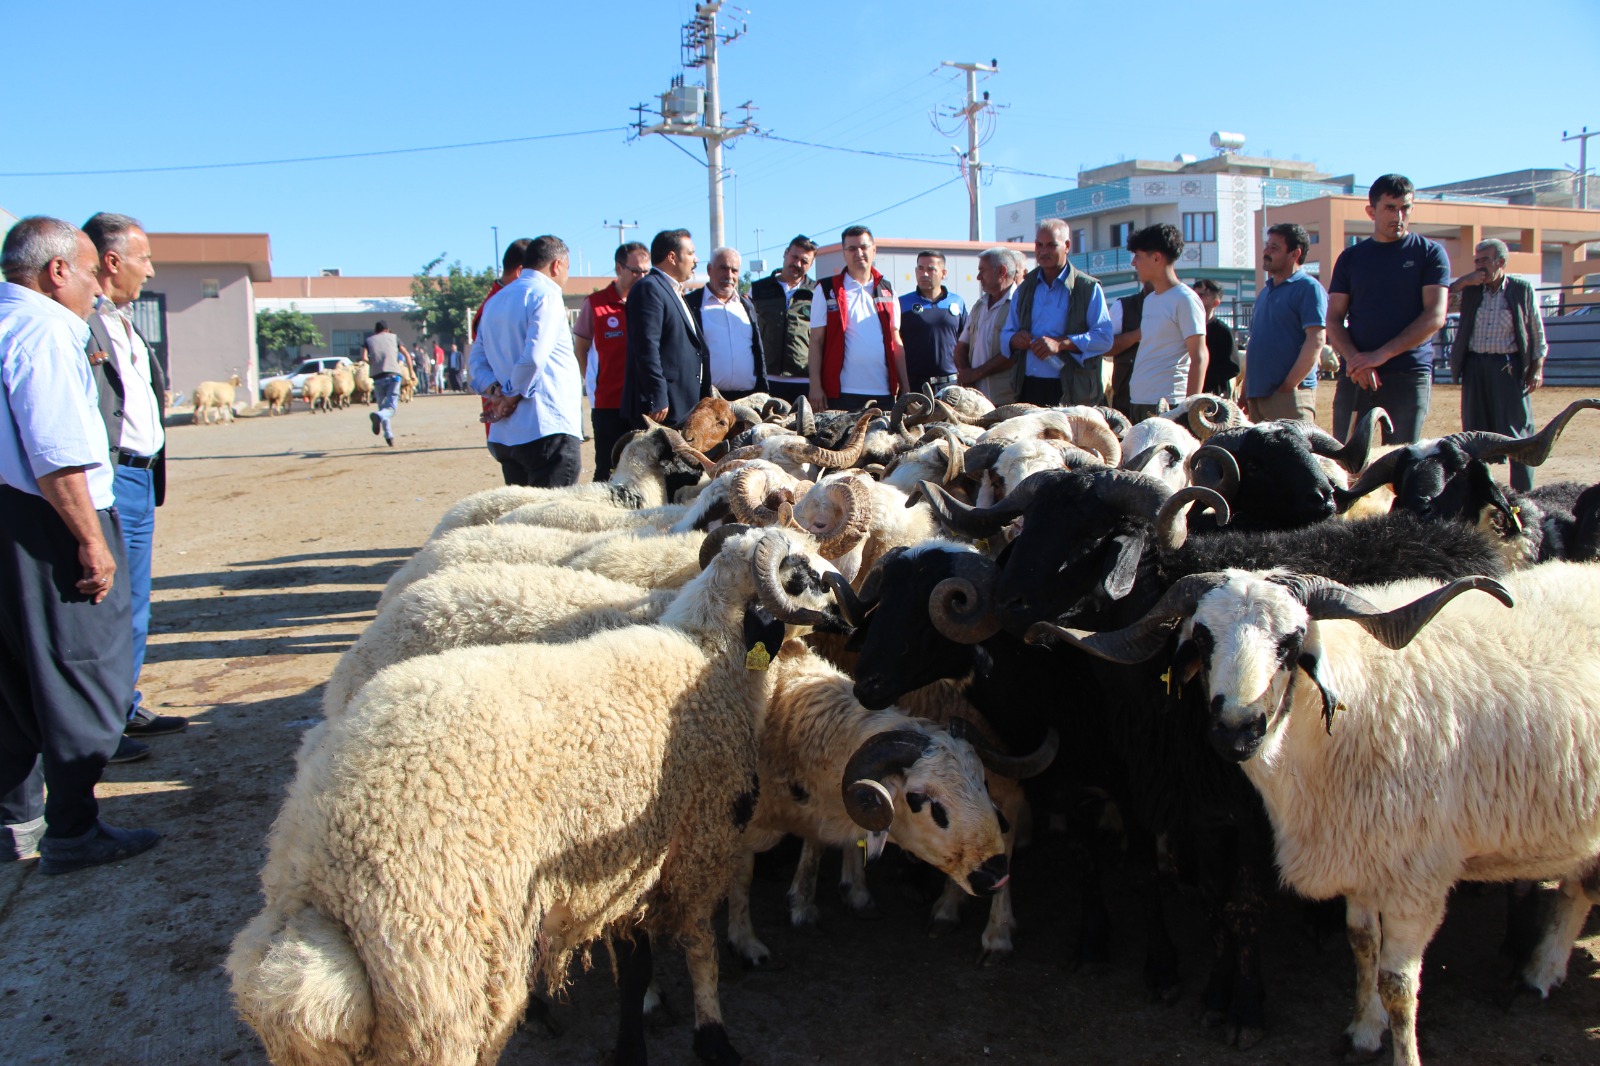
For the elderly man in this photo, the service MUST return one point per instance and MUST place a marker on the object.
(600, 339)
(856, 354)
(666, 371)
(523, 358)
(1059, 324)
(726, 318)
(66, 631)
(1499, 350)
(783, 314)
(132, 388)
(980, 361)
(932, 320)
(1386, 300)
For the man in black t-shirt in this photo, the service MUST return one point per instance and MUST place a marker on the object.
(1221, 365)
(1385, 302)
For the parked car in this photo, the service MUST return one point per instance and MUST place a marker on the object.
(320, 365)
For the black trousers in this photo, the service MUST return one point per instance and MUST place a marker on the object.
(452, 379)
(66, 668)
(1493, 397)
(788, 390)
(609, 427)
(551, 462)
(857, 401)
(1041, 392)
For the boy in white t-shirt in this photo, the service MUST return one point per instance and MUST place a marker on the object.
(1171, 363)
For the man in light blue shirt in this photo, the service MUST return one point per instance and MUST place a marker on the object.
(523, 360)
(66, 622)
(1059, 318)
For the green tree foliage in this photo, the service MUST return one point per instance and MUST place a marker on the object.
(280, 334)
(446, 298)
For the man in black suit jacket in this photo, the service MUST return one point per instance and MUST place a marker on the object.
(667, 369)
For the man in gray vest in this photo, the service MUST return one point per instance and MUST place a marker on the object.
(980, 361)
(1059, 324)
(382, 352)
(1499, 350)
(132, 388)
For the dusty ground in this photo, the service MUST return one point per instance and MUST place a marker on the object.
(278, 535)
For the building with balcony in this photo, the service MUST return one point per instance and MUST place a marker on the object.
(1213, 202)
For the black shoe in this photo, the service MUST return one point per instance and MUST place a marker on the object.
(104, 843)
(145, 723)
(129, 750)
(389, 441)
(377, 423)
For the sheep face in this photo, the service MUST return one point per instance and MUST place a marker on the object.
(708, 423)
(944, 816)
(1280, 486)
(1246, 639)
(901, 650)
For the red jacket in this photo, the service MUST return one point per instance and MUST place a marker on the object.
(833, 339)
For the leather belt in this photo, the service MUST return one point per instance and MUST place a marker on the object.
(138, 462)
(943, 379)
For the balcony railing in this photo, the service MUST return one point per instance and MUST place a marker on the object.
(1107, 262)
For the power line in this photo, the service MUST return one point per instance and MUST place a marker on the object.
(881, 210)
(309, 158)
(913, 157)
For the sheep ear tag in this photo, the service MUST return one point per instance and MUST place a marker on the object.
(763, 636)
(873, 844)
(1330, 699)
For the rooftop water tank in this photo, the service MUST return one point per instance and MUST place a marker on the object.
(1223, 141)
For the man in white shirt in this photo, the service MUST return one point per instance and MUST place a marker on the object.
(523, 358)
(132, 387)
(856, 354)
(726, 319)
(980, 362)
(1171, 363)
(66, 635)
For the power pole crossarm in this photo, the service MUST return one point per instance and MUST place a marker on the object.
(970, 114)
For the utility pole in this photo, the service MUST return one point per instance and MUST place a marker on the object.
(496, 245)
(621, 227)
(693, 111)
(974, 108)
(1583, 162)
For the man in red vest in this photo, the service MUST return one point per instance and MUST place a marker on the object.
(602, 327)
(856, 354)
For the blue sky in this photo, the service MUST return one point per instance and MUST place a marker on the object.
(1361, 87)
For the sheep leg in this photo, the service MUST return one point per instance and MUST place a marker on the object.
(1363, 1037)
(997, 934)
(1243, 913)
(1092, 953)
(635, 972)
(1161, 954)
(1547, 967)
(946, 910)
(1405, 936)
(741, 931)
(710, 1038)
(803, 912)
(853, 884)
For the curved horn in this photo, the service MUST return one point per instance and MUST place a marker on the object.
(715, 395)
(1172, 530)
(842, 457)
(983, 521)
(1118, 421)
(622, 442)
(1326, 599)
(1018, 768)
(1380, 473)
(954, 456)
(851, 500)
(1144, 638)
(962, 605)
(764, 562)
(867, 802)
(805, 423)
(851, 606)
(745, 413)
(748, 494)
(1203, 412)
(1138, 462)
(1005, 413)
(1352, 455)
(1529, 451)
(1093, 435)
(1227, 476)
(911, 410)
(1132, 493)
(775, 410)
(715, 539)
(983, 455)
(684, 450)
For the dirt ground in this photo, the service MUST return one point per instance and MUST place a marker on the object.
(278, 535)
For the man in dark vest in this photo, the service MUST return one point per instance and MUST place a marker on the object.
(1126, 318)
(726, 319)
(1059, 323)
(1499, 350)
(783, 314)
(133, 393)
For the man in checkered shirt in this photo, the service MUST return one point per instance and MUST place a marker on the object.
(1499, 350)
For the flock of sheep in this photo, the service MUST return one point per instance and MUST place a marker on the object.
(321, 392)
(580, 713)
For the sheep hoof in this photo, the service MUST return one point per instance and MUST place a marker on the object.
(1345, 1050)
(939, 927)
(1521, 997)
(1248, 1036)
(766, 963)
(711, 1045)
(1213, 1018)
(993, 956)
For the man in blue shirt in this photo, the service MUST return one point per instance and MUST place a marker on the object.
(1287, 330)
(1385, 302)
(66, 619)
(1061, 362)
(932, 319)
(523, 359)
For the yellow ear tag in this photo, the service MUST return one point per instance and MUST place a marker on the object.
(1166, 678)
(982, 545)
(757, 658)
(1516, 516)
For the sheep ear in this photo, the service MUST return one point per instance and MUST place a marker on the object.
(1124, 567)
(763, 637)
(1309, 662)
(1183, 668)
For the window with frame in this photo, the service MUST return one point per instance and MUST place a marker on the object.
(1080, 240)
(1199, 226)
(1120, 232)
(210, 289)
(348, 342)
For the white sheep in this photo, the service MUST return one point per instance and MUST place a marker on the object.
(478, 817)
(491, 543)
(1471, 752)
(481, 603)
(215, 396)
(278, 395)
(363, 382)
(317, 391)
(582, 515)
(1160, 447)
(342, 384)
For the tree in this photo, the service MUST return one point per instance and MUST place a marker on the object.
(446, 298)
(282, 333)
